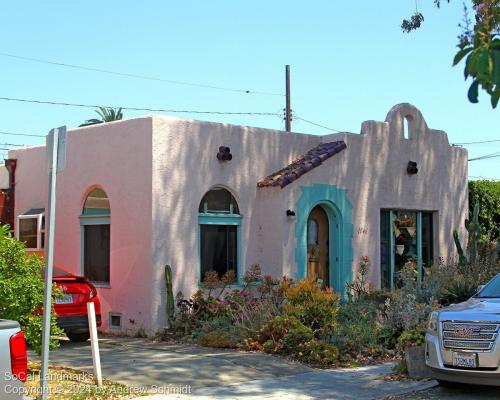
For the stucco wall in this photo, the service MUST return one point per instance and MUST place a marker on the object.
(116, 157)
(185, 167)
(156, 170)
(372, 169)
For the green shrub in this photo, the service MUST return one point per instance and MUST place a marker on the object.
(358, 326)
(459, 290)
(408, 307)
(22, 289)
(387, 337)
(218, 332)
(284, 335)
(358, 289)
(487, 195)
(249, 308)
(319, 354)
(411, 338)
(190, 314)
(313, 306)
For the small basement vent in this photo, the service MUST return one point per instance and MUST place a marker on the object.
(115, 321)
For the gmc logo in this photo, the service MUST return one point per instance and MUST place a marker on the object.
(467, 332)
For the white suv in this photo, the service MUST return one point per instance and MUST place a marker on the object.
(462, 342)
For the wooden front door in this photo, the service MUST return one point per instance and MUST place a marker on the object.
(317, 246)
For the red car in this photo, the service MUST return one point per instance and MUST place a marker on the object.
(71, 308)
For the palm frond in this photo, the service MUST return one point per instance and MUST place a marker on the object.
(107, 114)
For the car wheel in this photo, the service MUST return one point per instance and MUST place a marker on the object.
(78, 337)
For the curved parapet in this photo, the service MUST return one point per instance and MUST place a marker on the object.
(416, 122)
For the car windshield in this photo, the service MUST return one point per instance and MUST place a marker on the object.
(491, 290)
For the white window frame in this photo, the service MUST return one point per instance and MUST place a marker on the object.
(39, 229)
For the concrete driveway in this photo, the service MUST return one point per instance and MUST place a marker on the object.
(200, 373)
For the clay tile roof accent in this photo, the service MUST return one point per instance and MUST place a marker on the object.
(304, 164)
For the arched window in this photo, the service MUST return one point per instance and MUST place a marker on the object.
(95, 237)
(97, 203)
(219, 232)
(219, 200)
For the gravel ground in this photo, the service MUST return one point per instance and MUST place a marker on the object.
(458, 393)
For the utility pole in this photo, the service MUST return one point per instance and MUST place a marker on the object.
(288, 109)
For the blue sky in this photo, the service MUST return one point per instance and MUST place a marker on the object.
(350, 62)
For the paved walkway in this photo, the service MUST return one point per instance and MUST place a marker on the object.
(201, 373)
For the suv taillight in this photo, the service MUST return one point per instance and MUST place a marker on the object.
(18, 356)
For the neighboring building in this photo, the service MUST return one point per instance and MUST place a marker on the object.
(141, 193)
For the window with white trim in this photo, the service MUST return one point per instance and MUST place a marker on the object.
(31, 229)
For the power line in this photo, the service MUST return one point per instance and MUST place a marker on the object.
(479, 142)
(483, 178)
(137, 76)
(487, 156)
(57, 103)
(20, 134)
(12, 144)
(315, 124)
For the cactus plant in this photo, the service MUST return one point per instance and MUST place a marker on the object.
(462, 260)
(474, 229)
(170, 306)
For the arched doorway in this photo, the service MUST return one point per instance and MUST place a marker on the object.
(338, 208)
(318, 243)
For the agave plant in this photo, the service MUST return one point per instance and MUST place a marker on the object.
(107, 114)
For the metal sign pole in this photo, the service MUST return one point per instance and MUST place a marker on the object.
(56, 148)
(94, 342)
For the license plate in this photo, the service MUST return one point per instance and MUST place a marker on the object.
(66, 299)
(465, 360)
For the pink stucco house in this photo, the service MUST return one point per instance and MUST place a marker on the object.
(141, 193)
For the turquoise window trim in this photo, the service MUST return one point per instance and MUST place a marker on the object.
(392, 247)
(419, 244)
(338, 208)
(219, 219)
(222, 219)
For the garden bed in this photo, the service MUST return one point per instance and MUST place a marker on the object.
(312, 324)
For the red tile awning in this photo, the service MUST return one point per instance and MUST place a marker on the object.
(304, 164)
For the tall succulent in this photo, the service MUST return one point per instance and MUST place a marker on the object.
(170, 293)
(474, 229)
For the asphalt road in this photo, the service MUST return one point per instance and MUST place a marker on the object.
(458, 393)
